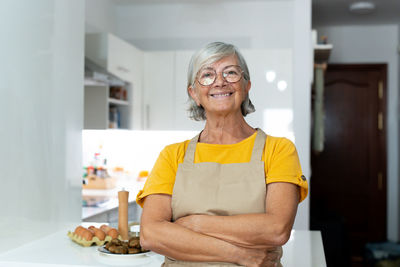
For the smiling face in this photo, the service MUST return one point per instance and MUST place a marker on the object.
(221, 97)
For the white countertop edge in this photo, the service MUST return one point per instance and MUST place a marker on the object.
(22, 264)
(304, 249)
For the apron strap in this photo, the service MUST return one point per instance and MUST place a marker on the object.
(258, 147)
(256, 154)
(191, 149)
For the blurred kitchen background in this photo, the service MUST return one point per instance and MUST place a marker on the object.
(93, 90)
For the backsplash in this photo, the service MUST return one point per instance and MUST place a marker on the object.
(134, 151)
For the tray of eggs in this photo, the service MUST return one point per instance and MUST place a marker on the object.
(93, 236)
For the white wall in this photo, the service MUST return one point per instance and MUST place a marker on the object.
(302, 77)
(177, 26)
(41, 103)
(376, 44)
(99, 16)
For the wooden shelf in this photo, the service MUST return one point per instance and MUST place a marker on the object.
(118, 102)
(97, 108)
(323, 46)
(322, 52)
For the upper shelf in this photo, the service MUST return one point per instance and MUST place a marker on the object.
(322, 52)
(118, 101)
(96, 75)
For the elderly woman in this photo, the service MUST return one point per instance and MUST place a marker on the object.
(228, 196)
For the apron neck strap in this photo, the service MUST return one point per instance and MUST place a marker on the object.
(191, 149)
(258, 147)
(256, 155)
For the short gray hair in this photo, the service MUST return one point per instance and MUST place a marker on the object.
(209, 54)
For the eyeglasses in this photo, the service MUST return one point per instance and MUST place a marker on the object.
(231, 74)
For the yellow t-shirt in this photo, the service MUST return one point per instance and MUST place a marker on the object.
(281, 163)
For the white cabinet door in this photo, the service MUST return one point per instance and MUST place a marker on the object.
(159, 93)
(165, 82)
(182, 120)
(112, 53)
(271, 97)
(136, 92)
(121, 58)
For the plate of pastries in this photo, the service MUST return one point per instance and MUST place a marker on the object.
(130, 248)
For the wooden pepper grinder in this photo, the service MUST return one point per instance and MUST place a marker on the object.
(123, 214)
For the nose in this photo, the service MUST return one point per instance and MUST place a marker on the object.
(219, 80)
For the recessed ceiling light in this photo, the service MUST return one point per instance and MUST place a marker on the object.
(270, 76)
(282, 85)
(362, 7)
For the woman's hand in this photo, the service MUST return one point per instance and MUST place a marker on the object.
(265, 257)
(262, 257)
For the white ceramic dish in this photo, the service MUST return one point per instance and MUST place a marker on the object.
(103, 251)
(111, 259)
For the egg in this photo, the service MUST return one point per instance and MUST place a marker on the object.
(97, 232)
(88, 235)
(113, 233)
(78, 230)
(105, 228)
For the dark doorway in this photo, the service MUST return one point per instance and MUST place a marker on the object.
(348, 181)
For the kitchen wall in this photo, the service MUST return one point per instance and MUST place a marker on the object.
(134, 151)
(192, 24)
(248, 24)
(41, 103)
(99, 16)
(376, 44)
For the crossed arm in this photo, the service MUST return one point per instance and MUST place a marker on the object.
(242, 239)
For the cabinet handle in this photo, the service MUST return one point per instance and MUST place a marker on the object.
(147, 117)
(122, 69)
(380, 181)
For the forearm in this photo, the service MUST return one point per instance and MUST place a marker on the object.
(181, 243)
(247, 230)
(260, 230)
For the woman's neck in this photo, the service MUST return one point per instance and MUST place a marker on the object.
(225, 130)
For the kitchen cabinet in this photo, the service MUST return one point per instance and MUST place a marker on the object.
(159, 95)
(123, 60)
(102, 111)
(183, 122)
(166, 96)
(271, 90)
(165, 80)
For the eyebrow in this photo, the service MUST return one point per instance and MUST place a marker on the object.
(211, 68)
(207, 68)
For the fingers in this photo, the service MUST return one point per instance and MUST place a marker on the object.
(274, 254)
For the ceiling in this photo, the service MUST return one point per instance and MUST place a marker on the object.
(324, 12)
(336, 12)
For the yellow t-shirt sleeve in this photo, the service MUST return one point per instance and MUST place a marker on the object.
(161, 179)
(283, 165)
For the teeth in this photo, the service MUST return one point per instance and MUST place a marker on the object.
(227, 94)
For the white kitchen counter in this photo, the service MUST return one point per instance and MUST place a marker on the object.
(304, 249)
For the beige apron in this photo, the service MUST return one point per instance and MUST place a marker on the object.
(218, 189)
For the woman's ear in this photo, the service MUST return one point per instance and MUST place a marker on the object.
(248, 86)
(192, 93)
